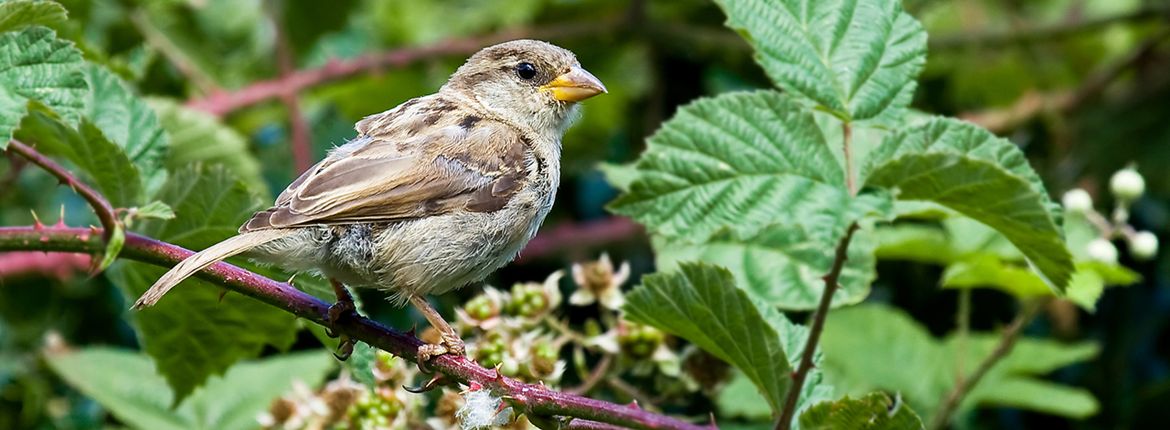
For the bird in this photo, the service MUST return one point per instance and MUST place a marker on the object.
(431, 195)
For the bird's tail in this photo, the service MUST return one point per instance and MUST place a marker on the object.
(200, 260)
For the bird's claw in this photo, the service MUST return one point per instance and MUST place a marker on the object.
(448, 344)
(339, 311)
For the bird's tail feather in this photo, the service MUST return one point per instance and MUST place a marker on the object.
(200, 260)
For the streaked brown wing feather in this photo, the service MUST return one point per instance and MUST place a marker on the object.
(397, 176)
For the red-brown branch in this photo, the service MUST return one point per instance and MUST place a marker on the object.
(814, 331)
(101, 206)
(300, 139)
(224, 102)
(533, 399)
(580, 235)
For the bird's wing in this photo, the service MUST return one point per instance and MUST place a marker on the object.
(403, 170)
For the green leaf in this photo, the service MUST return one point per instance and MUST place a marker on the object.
(110, 171)
(901, 356)
(914, 242)
(196, 331)
(782, 265)
(18, 14)
(197, 136)
(127, 384)
(740, 399)
(155, 209)
(742, 160)
(989, 271)
(35, 64)
(874, 411)
(113, 247)
(620, 176)
(987, 178)
(127, 121)
(700, 303)
(856, 59)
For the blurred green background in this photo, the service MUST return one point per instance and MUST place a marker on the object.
(1083, 86)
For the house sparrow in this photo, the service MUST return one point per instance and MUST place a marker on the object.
(431, 195)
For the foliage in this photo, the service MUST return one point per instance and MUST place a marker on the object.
(926, 367)
(127, 383)
(873, 411)
(698, 304)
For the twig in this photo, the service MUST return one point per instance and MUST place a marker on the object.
(300, 138)
(594, 377)
(964, 385)
(629, 390)
(814, 330)
(1032, 104)
(101, 207)
(533, 399)
(224, 102)
(54, 265)
(580, 235)
(1058, 31)
(963, 321)
(159, 40)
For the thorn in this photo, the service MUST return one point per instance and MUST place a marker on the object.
(634, 404)
(711, 424)
(474, 386)
(61, 218)
(435, 382)
(344, 349)
(499, 375)
(413, 332)
(290, 280)
(37, 221)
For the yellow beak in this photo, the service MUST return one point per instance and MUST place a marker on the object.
(574, 86)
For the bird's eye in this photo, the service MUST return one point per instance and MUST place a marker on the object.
(526, 71)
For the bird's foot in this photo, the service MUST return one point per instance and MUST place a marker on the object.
(449, 343)
(339, 311)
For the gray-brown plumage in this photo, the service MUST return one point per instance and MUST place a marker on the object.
(433, 194)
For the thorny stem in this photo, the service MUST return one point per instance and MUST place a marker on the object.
(1033, 104)
(814, 330)
(1007, 341)
(224, 102)
(300, 138)
(533, 399)
(1057, 31)
(101, 206)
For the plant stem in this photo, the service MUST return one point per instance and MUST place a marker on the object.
(963, 321)
(301, 138)
(1007, 341)
(101, 206)
(224, 102)
(814, 330)
(533, 399)
(1033, 104)
(1052, 32)
(572, 235)
(594, 377)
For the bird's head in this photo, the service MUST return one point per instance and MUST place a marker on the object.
(529, 81)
